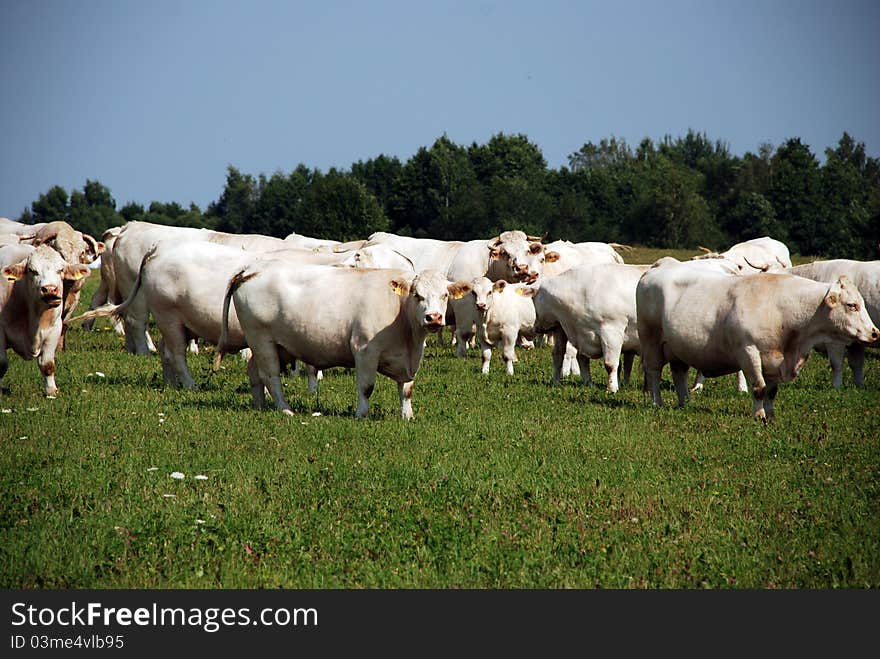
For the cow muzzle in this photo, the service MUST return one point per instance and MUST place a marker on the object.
(50, 295)
(434, 321)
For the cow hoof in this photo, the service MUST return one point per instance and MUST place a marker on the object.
(697, 389)
(287, 412)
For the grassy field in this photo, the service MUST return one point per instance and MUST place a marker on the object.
(499, 482)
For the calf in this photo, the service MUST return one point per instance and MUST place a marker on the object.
(509, 314)
(31, 298)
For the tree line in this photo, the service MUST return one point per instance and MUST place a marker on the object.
(675, 193)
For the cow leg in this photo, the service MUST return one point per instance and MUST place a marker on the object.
(698, 382)
(366, 366)
(574, 365)
(559, 344)
(628, 359)
(583, 368)
(769, 397)
(680, 380)
(172, 350)
(258, 389)
(836, 352)
(312, 373)
(750, 363)
(855, 355)
(4, 364)
(741, 384)
(46, 362)
(463, 336)
(269, 369)
(405, 389)
(487, 356)
(508, 351)
(193, 346)
(612, 344)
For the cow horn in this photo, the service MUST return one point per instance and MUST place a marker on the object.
(534, 239)
(757, 267)
(704, 249)
(619, 246)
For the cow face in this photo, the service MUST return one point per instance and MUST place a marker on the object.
(847, 313)
(524, 256)
(482, 290)
(73, 246)
(43, 273)
(427, 296)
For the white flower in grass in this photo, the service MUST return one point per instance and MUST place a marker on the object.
(6, 411)
(178, 475)
(316, 414)
(32, 409)
(169, 496)
(200, 477)
(153, 469)
(99, 374)
(200, 521)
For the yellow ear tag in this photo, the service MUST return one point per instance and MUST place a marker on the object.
(519, 291)
(397, 288)
(457, 296)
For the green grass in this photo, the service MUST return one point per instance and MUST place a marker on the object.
(499, 482)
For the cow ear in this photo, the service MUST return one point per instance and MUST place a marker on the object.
(459, 289)
(99, 248)
(495, 253)
(400, 286)
(833, 296)
(499, 286)
(551, 257)
(536, 248)
(14, 272)
(844, 282)
(527, 291)
(75, 272)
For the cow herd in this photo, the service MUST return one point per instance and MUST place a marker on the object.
(370, 305)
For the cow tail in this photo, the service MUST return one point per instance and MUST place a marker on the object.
(117, 310)
(237, 280)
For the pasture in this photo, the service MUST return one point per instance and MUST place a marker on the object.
(498, 482)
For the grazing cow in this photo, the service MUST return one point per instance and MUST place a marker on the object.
(136, 239)
(31, 297)
(509, 314)
(765, 326)
(866, 276)
(593, 307)
(757, 255)
(372, 320)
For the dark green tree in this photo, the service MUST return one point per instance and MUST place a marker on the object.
(235, 209)
(796, 194)
(339, 207)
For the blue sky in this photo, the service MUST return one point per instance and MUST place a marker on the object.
(154, 99)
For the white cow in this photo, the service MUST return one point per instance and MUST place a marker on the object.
(183, 286)
(468, 311)
(572, 255)
(31, 297)
(107, 287)
(764, 254)
(508, 317)
(593, 307)
(866, 276)
(372, 320)
(136, 239)
(765, 326)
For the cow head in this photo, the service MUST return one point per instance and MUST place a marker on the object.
(481, 291)
(427, 295)
(524, 256)
(43, 273)
(846, 310)
(73, 246)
